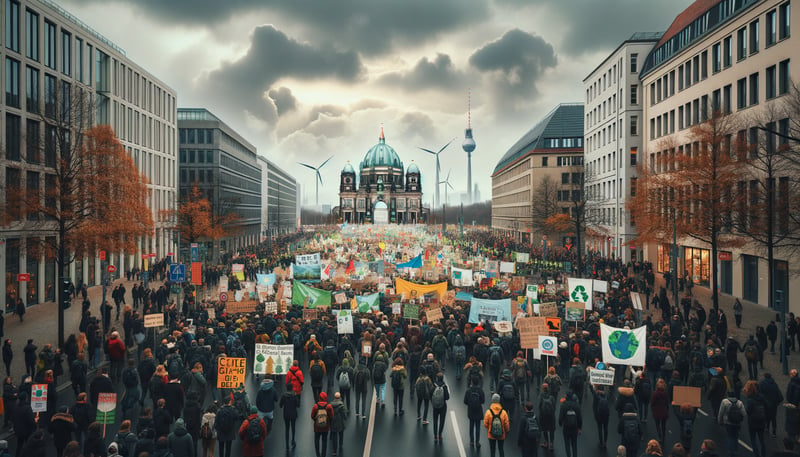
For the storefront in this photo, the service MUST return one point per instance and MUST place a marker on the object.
(696, 262)
(662, 262)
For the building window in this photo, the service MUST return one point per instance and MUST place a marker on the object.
(784, 20)
(754, 37)
(79, 59)
(715, 101)
(32, 35)
(633, 187)
(50, 44)
(741, 93)
(634, 153)
(716, 58)
(726, 99)
(783, 77)
(564, 178)
(704, 64)
(727, 51)
(634, 63)
(32, 146)
(13, 136)
(66, 53)
(772, 27)
(50, 95)
(688, 67)
(544, 161)
(680, 77)
(741, 43)
(32, 191)
(634, 125)
(32, 90)
(50, 140)
(634, 94)
(12, 82)
(12, 25)
(769, 76)
(754, 89)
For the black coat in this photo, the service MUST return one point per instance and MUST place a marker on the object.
(24, 420)
(289, 402)
(528, 445)
(62, 426)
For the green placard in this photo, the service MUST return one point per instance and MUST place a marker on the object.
(411, 311)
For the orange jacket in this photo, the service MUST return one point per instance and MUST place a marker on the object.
(497, 409)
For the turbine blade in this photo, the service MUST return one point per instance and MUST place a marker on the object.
(306, 165)
(323, 163)
(427, 150)
(319, 176)
(445, 146)
(449, 185)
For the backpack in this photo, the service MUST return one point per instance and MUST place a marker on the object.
(254, 431)
(77, 371)
(379, 372)
(576, 378)
(475, 373)
(297, 340)
(494, 357)
(316, 372)
(423, 390)
(225, 419)
(508, 391)
(321, 419)
(473, 399)
(277, 338)
(758, 412)
(668, 365)
(646, 387)
(735, 416)
(750, 353)
(603, 408)
(344, 380)
(240, 404)
(122, 446)
(532, 430)
(571, 419)
(397, 380)
(687, 428)
(548, 407)
(175, 364)
(519, 369)
(630, 430)
(460, 354)
(496, 429)
(205, 431)
(437, 399)
(361, 378)
(130, 379)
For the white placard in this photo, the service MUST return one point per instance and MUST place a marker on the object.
(344, 321)
(600, 286)
(548, 345)
(153, 320)
(273, 358)
(601, 377)
(39, 398)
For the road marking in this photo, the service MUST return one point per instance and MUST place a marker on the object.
(744, 445)
(460, 443)
(371, 426)
(702, 412)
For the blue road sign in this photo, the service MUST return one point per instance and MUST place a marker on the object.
(177, 272)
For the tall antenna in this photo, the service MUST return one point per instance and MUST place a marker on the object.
(469, 108)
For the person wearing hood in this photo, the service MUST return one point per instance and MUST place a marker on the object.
(24, 419)
(398, 378)
(625, 397)
(772, 394)
(322, 415)
(265, 401)
(192, 415)
(9, 400)
(62, 426)
(113, 450)
(340, 416)
(252, 432)
(81, 413)
(507, 391)
(439, 397)
(175, 396)
(529, 432)
(732, 413)
(95, 445)
(345, 382)
(547, 416)
(630, 429)
(571, 421)
(289, 402)
(294, 380)
(497, 435)
(162, 448)
(708, 448)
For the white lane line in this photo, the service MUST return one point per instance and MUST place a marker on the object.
(371, 426)
(460, 443)
(702, 412)
(744, 445)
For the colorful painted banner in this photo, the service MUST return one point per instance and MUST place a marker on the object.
(623, 346)
(367, 303)
(309, 297)
(273, 359)
(411, 290)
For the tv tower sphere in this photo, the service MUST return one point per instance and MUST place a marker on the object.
(469, 144)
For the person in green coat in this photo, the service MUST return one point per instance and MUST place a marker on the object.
(340, 416)
(399, 375)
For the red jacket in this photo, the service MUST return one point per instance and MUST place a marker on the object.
(116, 349)
(327, 406)
(250, 449)
(659, 403)
(295, 378)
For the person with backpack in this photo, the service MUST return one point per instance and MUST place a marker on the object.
(344, 377)
(265, 401)
(547, 416)
(643, 390)
(316, 370)
(459, 355)
(732, 414)
(474, 399)
(553, 381)
(208, 434)
(752, 353)
(507, 391)
(252, 432)
(474, 370)
(686, 415)
(181, 443)
(340, 416)
(521, 375)
(289, 402)
(529, 433)
(440, 347)
(226, 424)
(331, 358)
(294, 380)
(601, 407)
(322, 415)
(439, 397)
(379, 367)
(577, 379)
(495, 365)
(497, 423)
(424, 389)
(571, 421)
(659, 404)
(360, 384)
(630, 430)
(398, 377)
(756, 407)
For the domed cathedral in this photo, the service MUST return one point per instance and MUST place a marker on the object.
(383, 192)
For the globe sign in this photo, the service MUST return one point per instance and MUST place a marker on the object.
(547, 345)
(623, 345)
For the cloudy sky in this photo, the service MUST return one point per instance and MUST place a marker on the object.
(304, 80)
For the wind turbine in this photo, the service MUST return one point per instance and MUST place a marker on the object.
(317, 181)
(447, 184)
(438, 167)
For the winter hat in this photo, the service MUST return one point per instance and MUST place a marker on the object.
(253, 410)
(496, 398)
(3, 444)
(179, 422)
(323, 396)
(113, 448)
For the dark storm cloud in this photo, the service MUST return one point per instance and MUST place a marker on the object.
(283, 99)
(426, 74)
(517, 60)
(592, 25)
(369, 26)
(273, 55)
(417, 126)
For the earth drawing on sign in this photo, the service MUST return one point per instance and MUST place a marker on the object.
(623, 344)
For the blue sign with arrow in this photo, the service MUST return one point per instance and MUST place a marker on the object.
(177, 272)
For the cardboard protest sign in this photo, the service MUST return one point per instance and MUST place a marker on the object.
(411, 311)
(435, 314)
(574, 311)
(309, 314)
(344, 321)
(683, 394)
(549, 309)
(553, 324)
(153, 320)
(231, 372)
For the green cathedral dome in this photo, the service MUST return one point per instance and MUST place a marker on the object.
(381, 155)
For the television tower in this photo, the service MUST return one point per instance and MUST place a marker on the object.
(469, 145)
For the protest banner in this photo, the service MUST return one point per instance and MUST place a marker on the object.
(411, 311)
(309, 314)
(601, 377)
(397, 308)
(340, 298)
(527, 339)
(636, 300)
(548, 345)
(273, 359)
(231, 372)
(549, 309)
(106, 406)
(39, 398)
(246, 306)
(344, 321)
(684, 394)
(434, 315)
(271, 307)
(153, 320)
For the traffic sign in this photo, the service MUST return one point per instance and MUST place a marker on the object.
(23, 277)
(177, 272)
(111, 268)
(223, 296)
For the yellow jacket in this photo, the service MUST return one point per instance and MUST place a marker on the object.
(494, 410)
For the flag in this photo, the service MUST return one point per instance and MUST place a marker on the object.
(580, 290)
(350, 268)
(367, 303)
(416, 262)
(623, 346)
(310, 297)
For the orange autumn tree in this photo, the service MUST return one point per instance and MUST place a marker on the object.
(196, 219)
(692, 188)
(94, 199)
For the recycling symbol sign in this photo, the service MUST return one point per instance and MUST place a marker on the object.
(579, 294)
